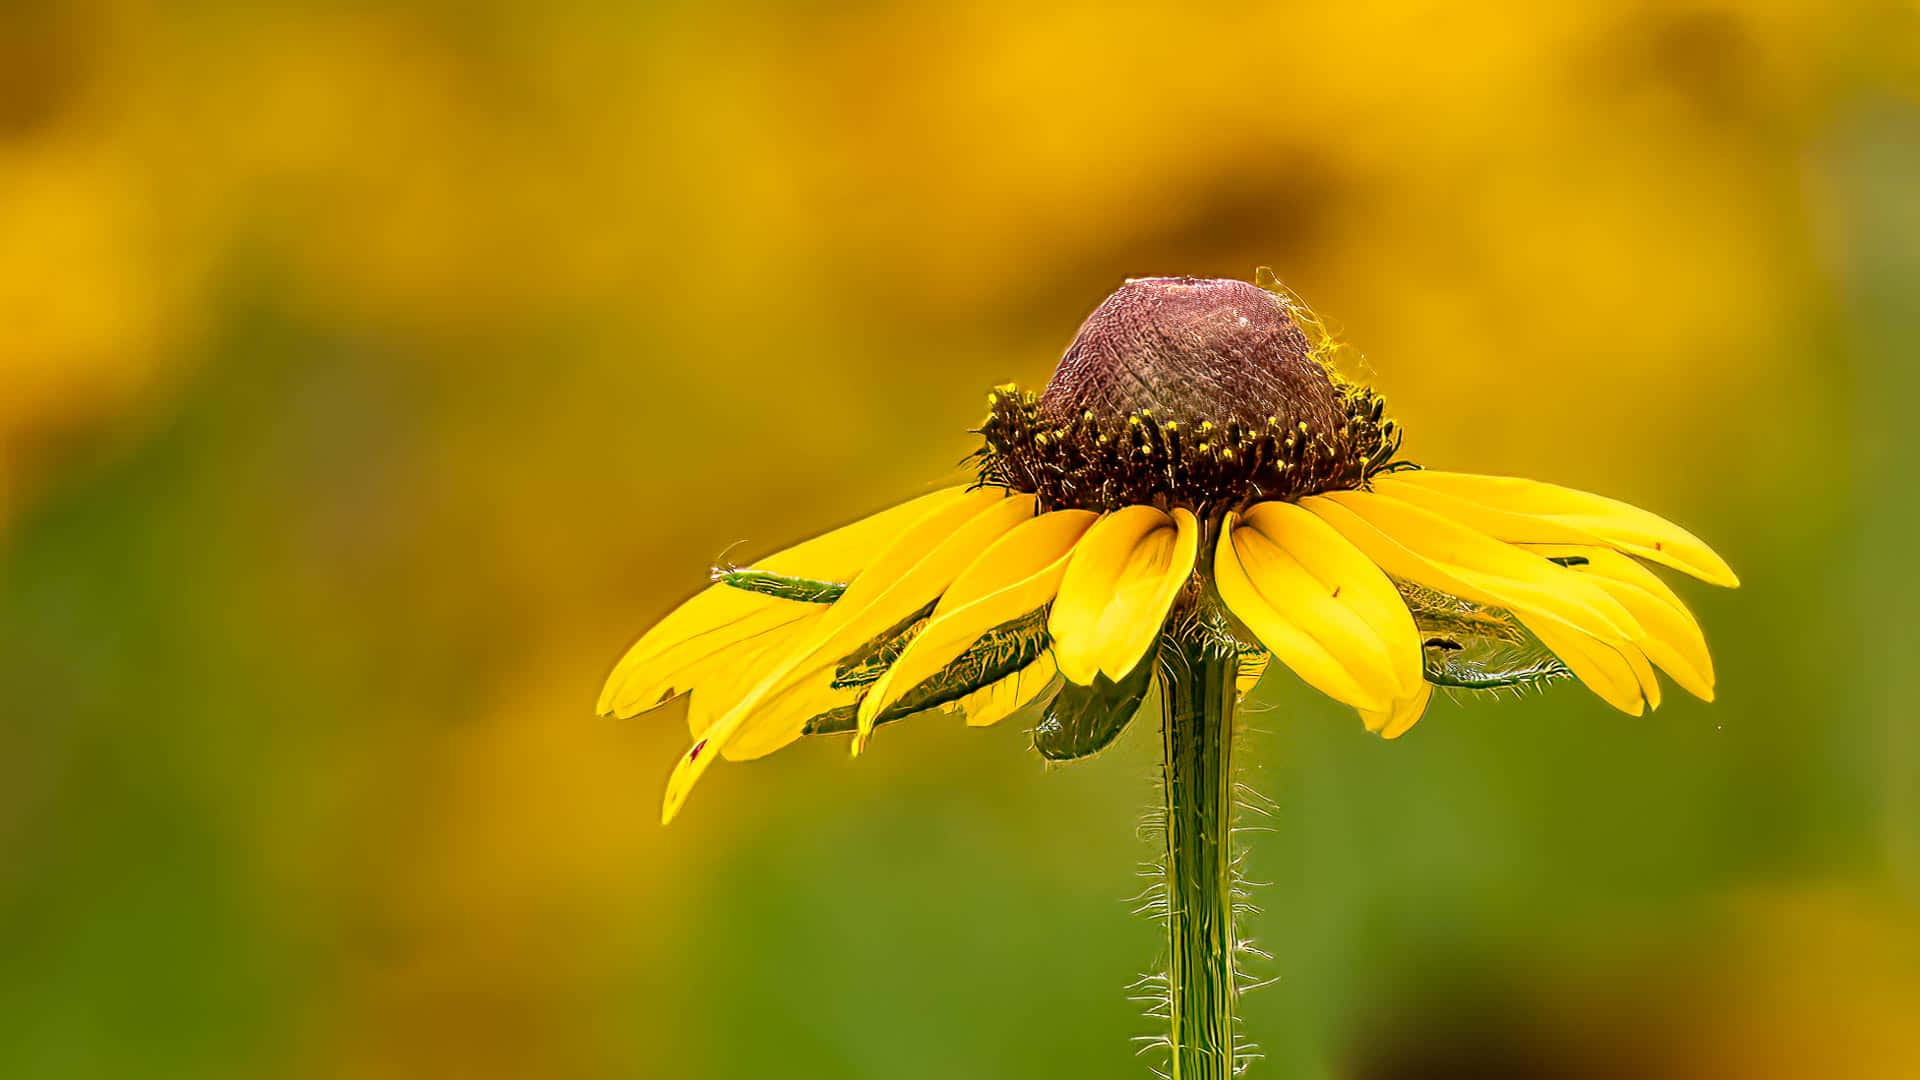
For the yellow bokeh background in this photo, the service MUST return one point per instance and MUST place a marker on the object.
(369, 377)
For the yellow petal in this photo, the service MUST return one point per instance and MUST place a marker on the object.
(1642, 672)
(1122, 563)
(719, 617)
(902, 579)
(1604, 668)
(1503, 525)
(1515, 578)
(992, 704)
(1585, 640)
(955, 533)
(1015, 576)
(1672, 638)
(1404, 713)
(1133, 622)
(1352, 589)
(1671, 641)
(719, 682)
(649, 682)
(1030, 548)
(805, 696)
(1276, 624)
(1620, 525)
(804, 689)
(1314, 608)
(686, 772)
(767, 729)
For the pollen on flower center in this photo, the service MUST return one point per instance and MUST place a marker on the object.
(1203, 393)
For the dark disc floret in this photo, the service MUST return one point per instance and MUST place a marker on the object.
(1202, 393)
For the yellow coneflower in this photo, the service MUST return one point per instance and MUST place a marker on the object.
(1132, 481)
(1194, 492)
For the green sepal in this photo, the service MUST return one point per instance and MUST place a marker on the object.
(864, 665)
(1510, 672)
(1469, 646)
(1084, 720)
(997, 654)
(1463, 622)
(840, 721)
(779, 586)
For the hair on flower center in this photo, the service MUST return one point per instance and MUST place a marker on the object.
(1190, 392)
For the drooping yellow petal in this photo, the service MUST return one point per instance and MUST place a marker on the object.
(686, 773)
(1642, 672)
(1315, 608)
(781, 708)
(1602, 667)
(1673, 639)
(1585, 640)
(1088, 587)
(719, 682)
(1028, 549)
(722, 732)
(1243, 564)
(769, 728)
(901, 580)
(955, 533)
(717, 695)
(1474, 556)
(992, 704)
(1503, 525)
(1352, 592)
(1141, 604)
(1620, 525)
(1119, 585)
(719, 617)
(653, 681)
(1015, 576)
(1394, 721)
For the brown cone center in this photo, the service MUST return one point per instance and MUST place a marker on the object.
(1192, 349)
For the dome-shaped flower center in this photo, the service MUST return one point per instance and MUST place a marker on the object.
(1191, 349)
(1193, 392)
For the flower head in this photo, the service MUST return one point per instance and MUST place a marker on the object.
(1182, 392)
(1193, 441)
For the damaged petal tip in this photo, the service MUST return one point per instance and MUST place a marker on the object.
(685, 775)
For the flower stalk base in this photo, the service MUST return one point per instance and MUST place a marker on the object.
(1199, 663)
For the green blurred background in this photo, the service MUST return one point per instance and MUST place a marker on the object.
(369, 378)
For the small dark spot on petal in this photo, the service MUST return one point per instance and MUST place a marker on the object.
(694, 754)
(1336, 591)
(1658, 546)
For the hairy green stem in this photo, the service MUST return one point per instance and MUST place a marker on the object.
(1198, 665)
